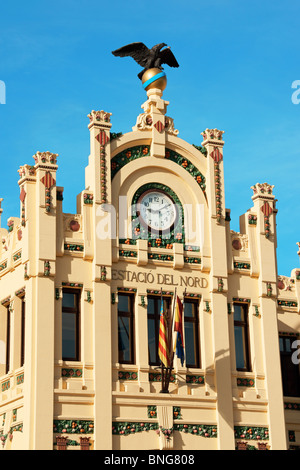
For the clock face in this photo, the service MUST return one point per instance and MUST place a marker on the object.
(156, 210)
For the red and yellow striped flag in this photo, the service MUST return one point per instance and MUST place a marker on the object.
(163, 349)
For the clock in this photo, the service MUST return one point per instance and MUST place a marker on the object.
(156, 211)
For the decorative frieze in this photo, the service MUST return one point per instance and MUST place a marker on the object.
(70, 426)
(128, 254)
(267, 211)
(5, 385)
(241, 265)
(74, 247)
(152, 411)
(68, 372)
(125, 427)
(251, 432)
(177, 412)
(203, 430)
(3, 266)
(47, 268)
(195, 379)
(127, 156)
(20, 292)
(100, 117)
(252, 219)
(22, 199)
(160, 257)
(188, 166)
(20, 379)
(72, 284)
(48, 181)
(241, 299)
(127, 375)
(192, 260)
(292, 406)
(245, 382)
(287, 303)
(88, 199)
(156, 377)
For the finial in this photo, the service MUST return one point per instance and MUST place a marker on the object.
(152, 75)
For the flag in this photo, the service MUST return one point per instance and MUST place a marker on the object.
(178, 328)
(163, 350)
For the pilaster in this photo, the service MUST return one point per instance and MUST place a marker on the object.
(213, 142)
(98, 182)
(39, 183)
(264, 207)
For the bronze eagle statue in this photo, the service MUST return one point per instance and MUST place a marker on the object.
(148, 58)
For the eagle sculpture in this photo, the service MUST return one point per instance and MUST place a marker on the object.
(148, 58)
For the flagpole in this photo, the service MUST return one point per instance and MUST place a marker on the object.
(169, 369)
(163, 382)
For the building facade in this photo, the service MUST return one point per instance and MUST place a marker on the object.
(80, 301)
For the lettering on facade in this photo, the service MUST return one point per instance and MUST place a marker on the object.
(147, 277)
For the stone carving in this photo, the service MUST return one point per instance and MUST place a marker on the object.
(100, 117)
(262, 189)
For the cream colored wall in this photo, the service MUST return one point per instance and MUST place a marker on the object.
(98, 395)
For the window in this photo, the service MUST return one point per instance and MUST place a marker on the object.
(191, 333)
(70, 325)
(289, 370)
(126, 328)
(23, 333)
(153, 313)
(241, 337)
(7, 364)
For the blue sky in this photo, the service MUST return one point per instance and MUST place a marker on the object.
(238, 61)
